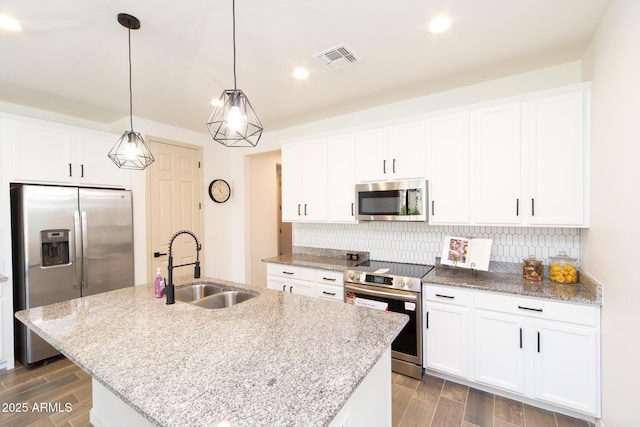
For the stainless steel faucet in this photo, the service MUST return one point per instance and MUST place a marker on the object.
(169, 289)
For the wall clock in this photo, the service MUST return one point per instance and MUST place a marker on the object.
(219, 190)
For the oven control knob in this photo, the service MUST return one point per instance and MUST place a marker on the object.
(401, 282)
(352, 276)
(410, 284)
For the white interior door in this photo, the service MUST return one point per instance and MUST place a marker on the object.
(174, 186)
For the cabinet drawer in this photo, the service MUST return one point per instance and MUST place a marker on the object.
(283, 270)
(332, 292)
(538, 308)
(330, 277)
(445, 294)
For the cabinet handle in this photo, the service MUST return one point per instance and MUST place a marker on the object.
(517, 207)
(70, 170)
(352, 214)
(305, 209)
(283, 286)
(81, 171)
(520, 337)
(394, 165)
(287, 272)
(329, 279)
(426, 320)
(539, 310)
(538, 341)
(329, 293)
(533, 207)
(433, 207)
(158, 254)
(290, 289)
(445, 296)
(299, 209)
(384, 166)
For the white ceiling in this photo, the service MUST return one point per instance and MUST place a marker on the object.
(71, 57)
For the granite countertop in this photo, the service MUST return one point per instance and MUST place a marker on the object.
(314, 261)
(586, 291)
(277, 359)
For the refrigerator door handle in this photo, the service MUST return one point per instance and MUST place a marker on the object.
(76, 244)
(85, 257)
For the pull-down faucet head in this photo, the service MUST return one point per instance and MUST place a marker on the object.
(169, 289)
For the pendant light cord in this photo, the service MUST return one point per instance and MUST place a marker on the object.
(233, 6)
(130, 84)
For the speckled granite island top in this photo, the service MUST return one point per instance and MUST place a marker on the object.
(279, 359)
(585, 292)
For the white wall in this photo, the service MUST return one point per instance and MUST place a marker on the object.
(533, 81)
(263, 211)
(608, 247)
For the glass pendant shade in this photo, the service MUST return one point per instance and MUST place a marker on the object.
(233, 122)
(131, 152)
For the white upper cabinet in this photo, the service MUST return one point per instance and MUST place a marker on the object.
(41, 153)
(96, 168)
(304, 181)
(392, 153)
(50, 153)
(555, 133)
(371, 155)
(495, 168)
(449, 169)
(408, 147)
(521, 161)
(341, 159)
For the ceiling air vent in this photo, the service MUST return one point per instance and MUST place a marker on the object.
(336, 58)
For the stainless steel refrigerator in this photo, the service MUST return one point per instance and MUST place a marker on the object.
(68, 242)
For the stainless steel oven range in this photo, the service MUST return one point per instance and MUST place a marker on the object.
(394, 287)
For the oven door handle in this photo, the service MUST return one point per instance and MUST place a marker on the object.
(394, 294)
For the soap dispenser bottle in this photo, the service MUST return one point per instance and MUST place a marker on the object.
(159, 284)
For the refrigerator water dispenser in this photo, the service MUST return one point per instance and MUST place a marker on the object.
(55, 247)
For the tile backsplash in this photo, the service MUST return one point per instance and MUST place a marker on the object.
(421, 243)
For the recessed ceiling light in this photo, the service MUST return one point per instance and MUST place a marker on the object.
(300, 74)
(440, 24)
(10, 24)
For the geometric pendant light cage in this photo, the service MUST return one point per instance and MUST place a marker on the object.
(233, 122)
(130, 151)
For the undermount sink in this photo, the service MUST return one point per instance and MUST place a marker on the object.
(211, 296)
(196, 291)
(224, 299)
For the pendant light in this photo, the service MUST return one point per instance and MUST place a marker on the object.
(233, 122)
(130, 151)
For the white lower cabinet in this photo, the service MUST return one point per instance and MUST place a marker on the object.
(538, 349)
(446, 330)
(498, 350)
(567, 363)
(295, 280)
(305, 281)
(329, 285)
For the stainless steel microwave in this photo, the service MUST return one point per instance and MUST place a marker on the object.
(392, 201)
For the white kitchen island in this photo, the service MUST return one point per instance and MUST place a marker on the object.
(275, 360)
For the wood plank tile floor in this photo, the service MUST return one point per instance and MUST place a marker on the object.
(434, 402)
(55, 394)
(65, 391)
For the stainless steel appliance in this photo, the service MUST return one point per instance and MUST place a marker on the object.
(392, 201)
(68, 242)
(394, 287)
